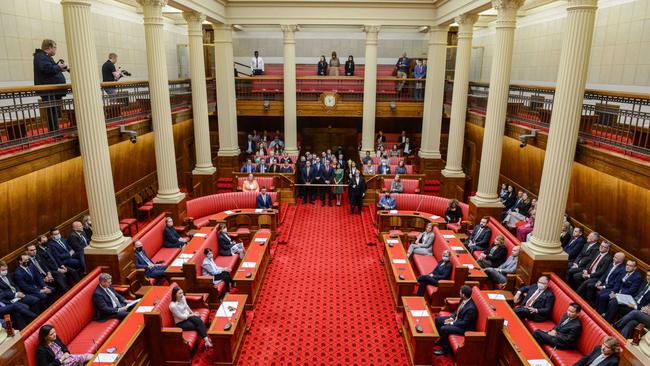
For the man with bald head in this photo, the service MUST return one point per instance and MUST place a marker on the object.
(609, 281)
(78, 241)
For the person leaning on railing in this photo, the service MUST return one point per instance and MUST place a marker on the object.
(46, 72)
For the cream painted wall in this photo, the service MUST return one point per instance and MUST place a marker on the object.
(25, 23)
(620, 57)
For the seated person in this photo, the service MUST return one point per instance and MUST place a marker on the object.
(108, 303)
(62, 251)
(218, 274)
(423, 245)
(574, 244)
(227, 246)
(631, 320)
(394, 151)
(537, 302)
(387, 202)
(47, 256)
(630, 284)
(52, 351)
(609, 281)
(396, 185)
(11, 294)
(367, 159)
(400, 168)
(368, 168)
(19, 312)
(453, 213)
(633, 314)
(142, 261)
(53, 278)
(604, 355)
(524, 228)
(408, 147)
(480, 236)
(274, 167)
(276, 143)
(30, 283)
(248, 167)
(564, 334)
(185, 318)
(499, 275)
(442, 271)
(286, 168)
(171, 237)
(495, 255)
(462, 320)
(593, 268)
(250, 184)
(383, 168)
(262, 167)
(263, 199)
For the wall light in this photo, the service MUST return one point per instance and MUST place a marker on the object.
(267, 105)
(393, 106)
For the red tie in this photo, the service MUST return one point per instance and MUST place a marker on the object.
(595, 263)
(533, 298)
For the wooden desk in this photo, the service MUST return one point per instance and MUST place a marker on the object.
(175, 269)
(408, 217)
(130, 347)
(257, 254)
(228, 217)
(419, 346)
(227, 342)
(466, 258)
(396, 263)
(519, 347)
(12, 350)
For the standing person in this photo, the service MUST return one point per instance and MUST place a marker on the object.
(356, 191)
(185, 318)
(338, 180)
(109, 71)
(402, 67)
(419, 72)
(47, 71)
(322, 66)
(334, 65)
(327, 172)
(349, 66)
(257, 64)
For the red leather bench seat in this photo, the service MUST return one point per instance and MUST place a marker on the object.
(424, 264)
(261, 181)
(434, 205)
(151, 237)
(496, 228)
(393, 160)
(410, 185)
(203, 207)
(484, 312)
(223, 261)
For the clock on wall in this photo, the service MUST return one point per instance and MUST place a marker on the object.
(329, 100)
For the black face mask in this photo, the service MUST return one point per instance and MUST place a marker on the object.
(138, 249)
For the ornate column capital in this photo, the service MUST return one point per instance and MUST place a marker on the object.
(75, 2)
(466, 24)
(372, 33)
(194, 22)
(160, 3)
(289, 30)
(582, 5)
(152, 10)
(438, 35)
(506, 12)
(222, 33)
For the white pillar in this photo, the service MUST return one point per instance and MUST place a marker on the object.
(495, 117)
(565, 122)
(226, 98)
(199, 94)
(290, 119)
(434, 93)
(168, 191)
(453, 167)
(89, 112)
(370, 88)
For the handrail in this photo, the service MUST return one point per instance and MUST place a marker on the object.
(240, 64)
(53, 87)
(609, 93)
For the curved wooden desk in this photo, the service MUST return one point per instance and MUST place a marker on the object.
(229, 217)
(407, 219)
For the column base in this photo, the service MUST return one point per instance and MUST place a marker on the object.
(205, 182)
(226, 165)
(636, 355)
(229, 152)
(431, 167)
(117, 261)
(532, 265)
(176, 210)
(291, 150)
(478, 209)
(452, 187)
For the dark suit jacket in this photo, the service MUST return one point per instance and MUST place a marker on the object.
(510, 201)
(543, 303)
(588, 359)
(171, 237)
(274, 168)
(442, 271)
(259, 168)
(103, 305)
(605, 261)
(140, 262)
(76, 242)
(383, 169)
(467, 317)
(45, 356)
(308, 177)
(357, 190)
(614, 282)
(573, 247)
(586, 255)
(260, 203)
(568, 334)
(483, 239)
(62, 255)
(225, 243)
(6, 295)
(327, 174)
(29, 284)
(318, 172)
(631, 285)
(46, 259)
(645, 300)
(522, 207)
(498, 257)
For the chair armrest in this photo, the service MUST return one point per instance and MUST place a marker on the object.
(451, 304)
(124, 290)
(445, 283)
(474, 335)
(196, 300)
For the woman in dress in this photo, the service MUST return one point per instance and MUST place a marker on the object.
(338, 179)
(322, 66)
(185, 318)
(349, 66)
(527, 227)
(52, 352)
(334, 65)
(250, 184)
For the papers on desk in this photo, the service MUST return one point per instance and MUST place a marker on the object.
(260, 240)
(228, 212)
(449, 236)
(470, 266)
(186, 255)
(419, 313)
(392, 212)
(399, 261)
(143, 309)
(624, 299)
(224, 310)
(505, 322)
(538, 363)
(496, 296)
(178, 262)
(248, 264)
(434, 217)
(107, 357)
(458, 249)
(130, 305)
(200, 235)
(392, 241)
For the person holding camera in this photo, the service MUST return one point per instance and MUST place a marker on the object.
(110, 73)
(47, 71)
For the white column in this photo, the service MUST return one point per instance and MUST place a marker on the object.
(565, 122)
(290, 120)
(434, 93)
(370, 88)
(226, 98)
(453, 167)
(168, 191)
(495, 117)
(89, 112)
(199, 94)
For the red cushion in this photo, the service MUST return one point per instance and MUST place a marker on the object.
(454, 227)
(424, 263)
(203, 207)
(166, 255)
(151, 235)
(456, 341)
(563, 357)
(243, 230)
(92, 336)
(225, 261)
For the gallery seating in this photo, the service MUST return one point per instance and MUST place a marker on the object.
(268, 182)
(410, 185)
(409, 168)
(200, 209)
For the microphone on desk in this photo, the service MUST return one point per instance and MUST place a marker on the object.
(417, 209)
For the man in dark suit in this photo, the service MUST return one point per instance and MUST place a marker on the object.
(62, 251)
(308, 175)
(286, 168)
(464, 319)
(142, 261)
(356, 191)
(565, 333)
(108, 303)
(609, 281)
(31, 283)
(537, 304)
(248, 167)
(604, 355)
(10, 293)
(575, 244)
(20, 313)
(629, 285)
(262, 167)
(586, 255)
(53, 279)
(383, 168)
(274, 167)
(479, 239)
(633, 314)
(78, 241)
(511, 203)
(592, 269)
(250, 146)
(263, 199)
(46, 257)
(327, 174)
(442, 271)
(227, 246)
(171, 237)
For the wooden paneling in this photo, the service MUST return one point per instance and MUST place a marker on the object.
(343, 109)
(402, 109)
(256, 108)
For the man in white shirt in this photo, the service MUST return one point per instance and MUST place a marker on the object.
(257, 64)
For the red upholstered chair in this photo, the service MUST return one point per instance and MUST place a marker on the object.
(143, 208)
(511, 241)
(126, 226)
(410, 185)
(151, 237)
(268, 182)
(242, 227)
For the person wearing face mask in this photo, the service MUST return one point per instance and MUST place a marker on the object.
(423, 245)
(185, 318)
(52, 351)
(62, 251)
(52, 278)
(171, 237)
(537, 302)
(11, 294)
(605, 354)
(480, 236)
(31, 283)
(442, 271)
(142, 261)
(46, 256)
(387, 202)
(218, 274)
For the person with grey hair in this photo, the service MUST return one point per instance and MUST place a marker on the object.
(108, 303)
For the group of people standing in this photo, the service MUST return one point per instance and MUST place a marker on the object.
(331, 68)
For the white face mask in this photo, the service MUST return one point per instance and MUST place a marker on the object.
(210, 255)
(57, 237)
(3, 273)
(445, 258)
(541, 287)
